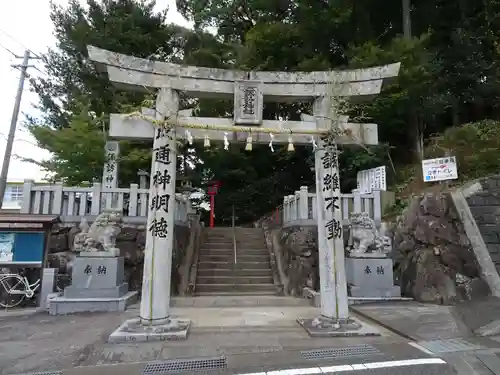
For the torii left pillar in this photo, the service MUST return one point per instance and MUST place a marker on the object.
(155, 322)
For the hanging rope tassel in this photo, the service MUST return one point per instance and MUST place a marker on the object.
(290, 144)
(271, 135)
(206, 142)
(248, 146)
(189, 137)
(226, 141)
(313, 141)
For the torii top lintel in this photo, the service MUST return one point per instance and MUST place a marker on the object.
(140, 74)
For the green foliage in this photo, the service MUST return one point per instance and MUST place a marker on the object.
(449, 76)
(78, 149)
(475, 145)
(409, 100)
(125, 26)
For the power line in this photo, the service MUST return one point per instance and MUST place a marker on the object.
(17, 41)
(19, 140)
(8, 50)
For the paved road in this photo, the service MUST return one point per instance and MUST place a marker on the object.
(378, 357)
(250, 340)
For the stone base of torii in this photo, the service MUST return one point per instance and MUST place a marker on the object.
(249, 90)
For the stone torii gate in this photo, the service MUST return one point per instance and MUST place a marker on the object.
(249, 90)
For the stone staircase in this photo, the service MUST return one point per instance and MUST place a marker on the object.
(218, 274)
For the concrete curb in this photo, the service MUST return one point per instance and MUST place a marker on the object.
(386, 326)
(491, 329)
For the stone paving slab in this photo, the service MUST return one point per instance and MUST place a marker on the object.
(491, 361)
(39, 342)
(480, 314)
(415, 320)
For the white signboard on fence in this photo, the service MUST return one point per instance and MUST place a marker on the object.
(370, 179)
(440, 169)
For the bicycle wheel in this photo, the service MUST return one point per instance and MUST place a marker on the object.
(12, 291)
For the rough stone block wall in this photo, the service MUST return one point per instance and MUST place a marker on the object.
(485, 207)
(131, 242)
(433, 256)
(296, 250)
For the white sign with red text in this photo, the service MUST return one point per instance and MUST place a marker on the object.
(440, 169)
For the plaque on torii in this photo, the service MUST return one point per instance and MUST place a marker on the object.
(249, 90)
(248, 103)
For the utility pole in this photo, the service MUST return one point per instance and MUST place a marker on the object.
(406, 5)
(13, 123)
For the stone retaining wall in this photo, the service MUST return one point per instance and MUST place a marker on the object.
(131, 241)
(433, 256)
(296, 252)
(484, 204)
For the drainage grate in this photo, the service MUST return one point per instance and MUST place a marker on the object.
(45, 373)
(350, 351)
(184, 365)
(448, 346)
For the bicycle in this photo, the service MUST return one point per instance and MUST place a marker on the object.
(14, 288)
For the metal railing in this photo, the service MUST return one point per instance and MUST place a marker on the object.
(234, 236)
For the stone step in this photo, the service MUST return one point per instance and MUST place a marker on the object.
(268, 293)
(218, 245)
(230, 265)
(239, 258)
(234, 280)
(241, 229)
(203, 288)
(229, 239)
(243, 241)
(237, 232)
(221, 272)
(221, 299)
(209, 246)
(230, 252)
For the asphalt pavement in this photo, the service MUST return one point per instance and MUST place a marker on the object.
(378, 357)
(249, 340)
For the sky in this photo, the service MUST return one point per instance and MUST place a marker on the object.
(25, 24)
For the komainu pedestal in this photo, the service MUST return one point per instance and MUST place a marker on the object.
(371, 277)
(97, 278)
(98, 284)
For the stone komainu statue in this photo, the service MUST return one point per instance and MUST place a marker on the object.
(101, 235)
(364, 236)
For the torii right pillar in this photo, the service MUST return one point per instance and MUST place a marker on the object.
(334, 319)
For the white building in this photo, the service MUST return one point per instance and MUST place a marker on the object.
(13, 197)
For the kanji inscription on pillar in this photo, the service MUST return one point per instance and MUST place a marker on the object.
(248, 103)
(110, 172)
(161, 190)
(329, 187)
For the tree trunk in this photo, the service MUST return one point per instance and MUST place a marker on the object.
(416, 135)
(406, 18)
(455, 114)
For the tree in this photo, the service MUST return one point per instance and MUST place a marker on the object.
(409, 97)
(72, 84)
(72, 146)
(449, 75)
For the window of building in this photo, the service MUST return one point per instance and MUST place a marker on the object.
(13, 193)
